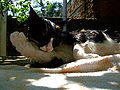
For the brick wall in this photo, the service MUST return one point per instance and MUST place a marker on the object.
(82, 9)
(107, 8)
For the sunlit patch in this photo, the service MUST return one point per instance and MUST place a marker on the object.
(31, 80)
(12, 78)
(75, 86)
(56, 81)
(100, 73)
(114, 83)
(52, 81)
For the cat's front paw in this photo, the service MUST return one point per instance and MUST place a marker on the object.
(18, 40)
(17, 37)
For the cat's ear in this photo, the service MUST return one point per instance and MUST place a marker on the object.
(36, 22)
(33, 16)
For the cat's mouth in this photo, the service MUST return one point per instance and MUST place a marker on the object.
(46, 48)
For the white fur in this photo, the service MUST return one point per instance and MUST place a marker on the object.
(102, 49)
(93, 50)
(79, 53)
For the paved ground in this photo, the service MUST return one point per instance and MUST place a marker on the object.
(14, 76)
(14, 60)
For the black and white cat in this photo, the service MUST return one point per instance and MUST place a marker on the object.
(46, 41)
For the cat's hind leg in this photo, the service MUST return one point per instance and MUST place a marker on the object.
(85, 65)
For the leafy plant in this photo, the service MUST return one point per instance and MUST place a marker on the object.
(48, 9)
(20, 8)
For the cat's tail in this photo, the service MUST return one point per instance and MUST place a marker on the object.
(85, 65)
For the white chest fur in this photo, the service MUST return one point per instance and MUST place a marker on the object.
(102, 49)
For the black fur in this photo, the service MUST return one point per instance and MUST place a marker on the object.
(40, 30)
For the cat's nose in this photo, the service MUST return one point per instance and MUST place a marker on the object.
(49, 49)
(46, 49)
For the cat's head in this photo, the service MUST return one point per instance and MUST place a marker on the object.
(41, 30)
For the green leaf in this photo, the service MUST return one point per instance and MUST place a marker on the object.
(49, 6)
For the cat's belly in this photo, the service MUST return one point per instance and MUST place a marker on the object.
(103, 49)
(64, 52)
